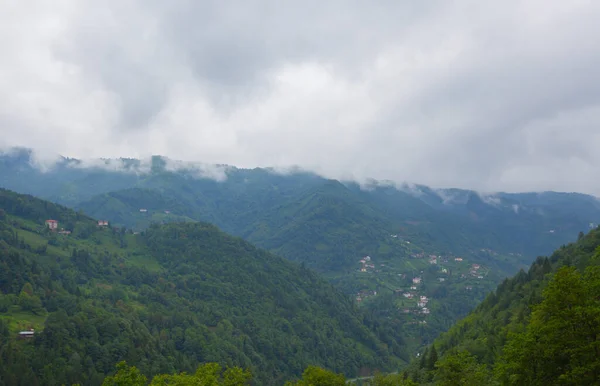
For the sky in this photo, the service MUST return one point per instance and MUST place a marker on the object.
(488, 95)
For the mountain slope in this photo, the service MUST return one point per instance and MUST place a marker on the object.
(517, 227)
(537, 327)
(166, 300)
(327, 227)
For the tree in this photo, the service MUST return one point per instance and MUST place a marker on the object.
(460, 369)
(126, 376)
(316, 376)
(433, 358)
(390, 380)
(561, 342)
(209, 374)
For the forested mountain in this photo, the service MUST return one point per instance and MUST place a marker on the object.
(540, 327)
(332, 222)
(458, 244)
(165, 300)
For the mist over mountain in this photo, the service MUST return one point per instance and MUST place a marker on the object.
(275, 207)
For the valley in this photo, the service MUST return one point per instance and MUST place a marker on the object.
(402, 264)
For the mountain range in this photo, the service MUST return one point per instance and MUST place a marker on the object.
(164, 273)
(327, 224)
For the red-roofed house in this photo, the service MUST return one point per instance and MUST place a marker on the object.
(52, 224)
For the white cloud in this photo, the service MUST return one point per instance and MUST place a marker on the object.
(498, 95)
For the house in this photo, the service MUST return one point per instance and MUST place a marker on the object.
(416, 280)
(27, 334)
(421, 304)
(143, 210)
(441, 279)
(102, 223)
(468, 288)
(64, 232)
(367, 258)
(459, 259)
(425, 310)
(52, 224)
(408, 295)
(475, 266)
(363, 269)
(424, 298)
(167, 211)
(480, 277)
(414, 287)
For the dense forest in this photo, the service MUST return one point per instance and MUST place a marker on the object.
(540, 327)
(165, 301)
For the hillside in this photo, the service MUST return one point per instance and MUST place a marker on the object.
(165, 300)
(276, 210)
(539, 327)
(458, 243)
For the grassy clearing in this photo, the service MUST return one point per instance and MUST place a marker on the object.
(20, 320)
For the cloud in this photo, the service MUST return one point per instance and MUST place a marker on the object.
(497, 95)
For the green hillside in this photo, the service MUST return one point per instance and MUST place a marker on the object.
(540, 327)
(165, 301)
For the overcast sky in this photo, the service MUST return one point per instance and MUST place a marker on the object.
(490, 95)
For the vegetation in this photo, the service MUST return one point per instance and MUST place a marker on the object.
(165, 301)
(540, 327)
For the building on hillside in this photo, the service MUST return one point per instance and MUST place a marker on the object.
(27, 334)
(367, 258)
(421, 304)
(102, 223)
(52, 224)
(459, 259)
(64, 232)
(426, 311)
(143, 210)
(441, 279)
(476, 266)
(416, 280)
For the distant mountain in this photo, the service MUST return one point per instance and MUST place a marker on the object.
(165, 300)
(327, 224)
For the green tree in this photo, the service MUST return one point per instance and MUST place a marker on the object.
(460, 369)
(126, 376)
(316, 376)
(390, 380)
(561, 343)
(209, 374)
